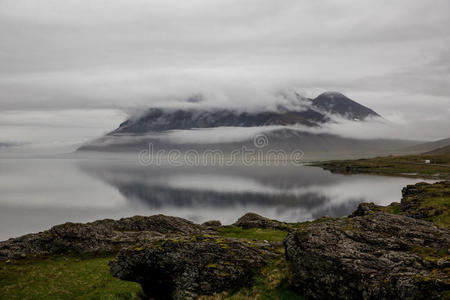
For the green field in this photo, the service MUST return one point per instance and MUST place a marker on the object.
(63, 277)
(252, 233)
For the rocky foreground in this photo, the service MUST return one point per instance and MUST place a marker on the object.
(375, 256)
(396, 252)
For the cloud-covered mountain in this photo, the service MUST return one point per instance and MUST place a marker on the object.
(337, 103)
(296, 124)
(304, 111)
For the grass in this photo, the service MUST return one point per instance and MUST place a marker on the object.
(253, 233)
(70, 277)
(63, 277)
(435, 197)
(407, 166)
(272, 282)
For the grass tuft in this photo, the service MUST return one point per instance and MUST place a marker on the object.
(253, 233)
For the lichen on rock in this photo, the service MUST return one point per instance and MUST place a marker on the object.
(101, 236)
(252, 220)
(373, 256)
(185, 269)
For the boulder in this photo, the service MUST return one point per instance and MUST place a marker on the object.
(101, 236)
(252, 220)
(188, 267)
(158, 223)
(365, 209)
(212, 223)
(372, 256)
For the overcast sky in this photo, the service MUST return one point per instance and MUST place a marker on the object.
(72, 70)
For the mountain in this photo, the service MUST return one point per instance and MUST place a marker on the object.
(308, 112)
(6, 145)
(440, 151)
(428, 146)
(157, 119)
(337, 103)
(156, 124)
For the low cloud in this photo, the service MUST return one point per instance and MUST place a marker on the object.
(60, 56)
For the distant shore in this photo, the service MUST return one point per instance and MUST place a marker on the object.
(414, 166)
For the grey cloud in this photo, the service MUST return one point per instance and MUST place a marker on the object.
(102, 55)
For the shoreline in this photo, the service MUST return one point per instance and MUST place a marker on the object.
(411, 166)
(273, 250)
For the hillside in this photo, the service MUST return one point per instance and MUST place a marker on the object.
(439, 151)
(428, 146)
(312, 145)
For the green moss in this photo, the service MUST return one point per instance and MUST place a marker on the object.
(303, 225)
(180, 240)
(431, 254)
(252, 233)
(433, 202)
(63, 277)
(272, 282)
(393, 208)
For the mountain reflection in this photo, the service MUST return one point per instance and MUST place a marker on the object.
(36, 194)
(293, 193)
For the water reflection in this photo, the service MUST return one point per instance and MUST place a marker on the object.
(38, 193)
(293, 193)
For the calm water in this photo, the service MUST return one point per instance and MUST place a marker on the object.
(36, 194)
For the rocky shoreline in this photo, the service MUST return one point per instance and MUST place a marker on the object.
(396, 252)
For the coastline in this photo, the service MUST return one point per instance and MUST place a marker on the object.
(412, 166)
(274, 243)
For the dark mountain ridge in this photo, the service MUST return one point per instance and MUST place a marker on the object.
(308, 112)
(157, 119)
(337, 103)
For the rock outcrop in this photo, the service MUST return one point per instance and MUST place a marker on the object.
(188, 267)
(212, 223)
(430, 202)
(400, 251)
(426, 201)
(252, 220)
(98, 237)
(364, 209)
(373, 256)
